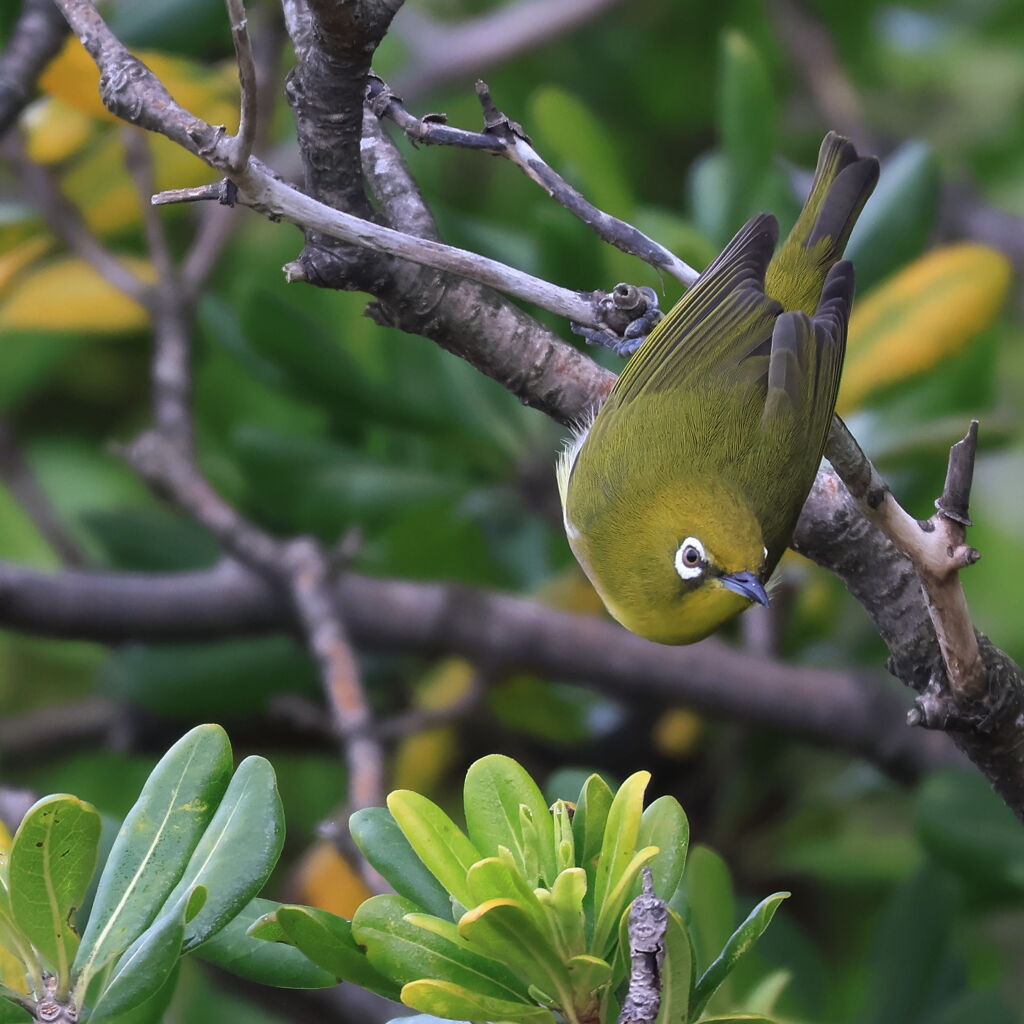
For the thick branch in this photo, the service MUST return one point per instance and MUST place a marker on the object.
(499, 632)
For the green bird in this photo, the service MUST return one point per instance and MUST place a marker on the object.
(681, 495)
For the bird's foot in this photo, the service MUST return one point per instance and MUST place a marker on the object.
(625, 300)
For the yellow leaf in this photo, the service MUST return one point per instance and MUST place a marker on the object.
(68, 295)
(676, 733)
(926, 312)
(424, 758)
(54, 130)
(19, 257)
(326, 880)
(208, 93)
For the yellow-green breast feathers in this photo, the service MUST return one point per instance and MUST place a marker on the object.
(682, 494)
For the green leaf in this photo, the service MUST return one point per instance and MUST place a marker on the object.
(588, 976)
(676, 973)
(739, 1018)
(237, 851)
(437, 841)
(564, 905)
(405, 952)
(150, 1010)
(382, 843)
(327, 940)
(496, 791)
(445, 999)
(621, 831)
(747, 122)
(145, 966)
(966, 828)
(740, 943)
(911, 952)
(52, 860)
(504, 930)
(705, 901)
(664, 824)
(592, 806)
(12, 1013)
(495, 878)
(267, 962)
(897, 220)
(562, 841)
(154, 846)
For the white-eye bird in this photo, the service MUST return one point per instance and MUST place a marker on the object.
(681, 495)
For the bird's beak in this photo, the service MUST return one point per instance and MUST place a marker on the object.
(747, 585)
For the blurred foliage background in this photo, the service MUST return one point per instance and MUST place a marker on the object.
(684, 118)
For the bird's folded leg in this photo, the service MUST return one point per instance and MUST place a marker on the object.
(627, 315)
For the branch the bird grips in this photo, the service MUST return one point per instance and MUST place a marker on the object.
(681, 495)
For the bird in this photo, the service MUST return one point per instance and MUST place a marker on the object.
(681, 493)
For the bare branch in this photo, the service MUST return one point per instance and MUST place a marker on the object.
(36, 37)
(503, 137)
(445, 53)
(28, 492)
(841, 710)
(247, 80)
(648, 922)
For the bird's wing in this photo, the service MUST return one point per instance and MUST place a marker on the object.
(720, 322)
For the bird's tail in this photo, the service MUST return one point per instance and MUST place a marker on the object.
(841, 186)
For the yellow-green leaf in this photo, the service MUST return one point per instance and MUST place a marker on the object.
(68, 295)
(52, 861)
(928, 311)
(446, 999)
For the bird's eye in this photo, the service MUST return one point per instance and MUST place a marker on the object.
(690, 559)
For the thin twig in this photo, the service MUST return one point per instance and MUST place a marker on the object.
(248, 82)
(504, 137)
(648, 922)
(24, 485)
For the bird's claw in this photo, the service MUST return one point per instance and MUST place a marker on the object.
(632, 337)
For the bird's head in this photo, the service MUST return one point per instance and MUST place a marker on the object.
(674, 568)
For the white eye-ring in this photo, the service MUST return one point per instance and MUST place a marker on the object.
(690, 559)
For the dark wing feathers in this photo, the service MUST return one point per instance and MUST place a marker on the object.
(843, 202)
(787, 365)
(716, 323)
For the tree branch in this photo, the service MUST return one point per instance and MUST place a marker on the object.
(34, 41)
(838, 709)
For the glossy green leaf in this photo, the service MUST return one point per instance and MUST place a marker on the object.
(739, 1018)
(897, 220)
(619, 843)
(141, 971)
(664, 824)
(739, 944)
(676, 973)
(562, 841)
(438, 842)
(705, 901)
(52, 860)
(404, 952)
(269, 963)
(504, 930)
(382, 843)
(150, 1011)
(237, 851)
(564, 904)
(327, 940)
(496, 792)
(454, 1002)
(154, 845)
(495, 878)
